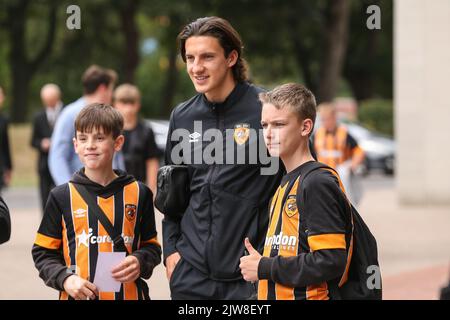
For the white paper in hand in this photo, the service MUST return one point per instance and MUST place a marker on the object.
(106, 261)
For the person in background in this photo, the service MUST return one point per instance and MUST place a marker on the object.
(140, 151)
(335, 147)
(43, 124)
(5, 153)
(98, 85)
(5, 222)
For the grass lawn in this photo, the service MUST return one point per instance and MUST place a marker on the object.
(24, 157)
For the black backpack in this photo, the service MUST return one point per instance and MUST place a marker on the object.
(364, 277)
(445, 293)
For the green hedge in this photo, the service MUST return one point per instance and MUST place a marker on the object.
(378, 115)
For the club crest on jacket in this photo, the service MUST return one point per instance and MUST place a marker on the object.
(241, 133)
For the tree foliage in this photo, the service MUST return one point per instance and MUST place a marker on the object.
(323, 44)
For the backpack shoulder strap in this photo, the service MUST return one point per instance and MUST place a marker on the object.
(118, 241)
(100, 215)
(313, 166)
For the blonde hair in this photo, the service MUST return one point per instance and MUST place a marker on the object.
(326, 107)
(292, 95)
(127, 93)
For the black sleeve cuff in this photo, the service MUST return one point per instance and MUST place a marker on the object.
(171, 235)
(62, 276)
(146, 270)
(264, 268)
(168, 252)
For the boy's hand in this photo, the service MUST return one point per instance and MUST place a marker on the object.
(249, 264)
(79, 288)
(128, 270)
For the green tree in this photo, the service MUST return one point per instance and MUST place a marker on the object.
(24, 67)
(368, 67)
(323, 44)
(312, 34)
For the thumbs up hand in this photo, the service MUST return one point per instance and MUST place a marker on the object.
(249, 264)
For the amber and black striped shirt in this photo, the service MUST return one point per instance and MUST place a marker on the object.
(307, 244)
(70, 237)
(334, 148)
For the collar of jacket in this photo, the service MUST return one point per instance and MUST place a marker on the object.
(233, 97)
(107, 191)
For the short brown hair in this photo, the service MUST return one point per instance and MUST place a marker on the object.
(295, 96)
(127, 93)
(227, 36)
(99, 116)
(94, 76)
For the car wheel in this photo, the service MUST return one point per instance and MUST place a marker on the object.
(389, 166)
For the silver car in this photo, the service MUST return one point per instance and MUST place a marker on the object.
(379, 149)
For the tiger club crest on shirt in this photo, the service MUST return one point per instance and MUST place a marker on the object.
(130, 211)
(241, 133)
(290, 207)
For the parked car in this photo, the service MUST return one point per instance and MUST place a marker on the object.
(379, 149)
(160, 129)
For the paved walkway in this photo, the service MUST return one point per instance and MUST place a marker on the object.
(413, 246)
(18, 277)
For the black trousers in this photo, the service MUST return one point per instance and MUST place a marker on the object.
(46, 184)
(187, 283)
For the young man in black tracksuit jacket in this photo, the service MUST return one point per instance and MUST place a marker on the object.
(228, 198)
